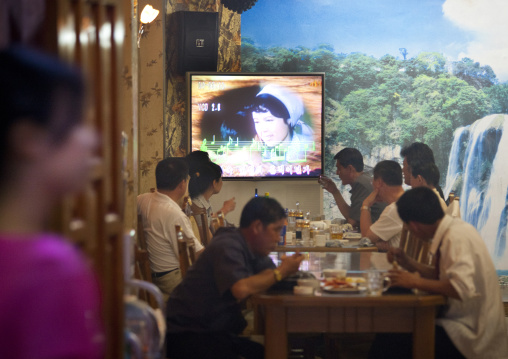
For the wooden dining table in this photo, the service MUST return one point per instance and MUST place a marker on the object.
(348, 249)
(278, 314)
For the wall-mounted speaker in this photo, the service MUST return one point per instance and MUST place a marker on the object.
(198, 41)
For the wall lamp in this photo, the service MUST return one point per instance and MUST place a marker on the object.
(147, 16)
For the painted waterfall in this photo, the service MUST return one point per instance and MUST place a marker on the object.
(478, 173)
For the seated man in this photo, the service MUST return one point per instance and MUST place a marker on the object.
(427, 175)
(415, 154)
(473, 323)
(385, 233)
(350, 171)
(161, 210)
(204, 312)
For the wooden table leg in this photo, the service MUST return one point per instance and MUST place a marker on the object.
(276, 336)
(424, 333)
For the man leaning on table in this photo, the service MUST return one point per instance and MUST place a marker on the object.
(204, 312)
(161, 210)
(387, 183)
(350, 171)
(472, 324)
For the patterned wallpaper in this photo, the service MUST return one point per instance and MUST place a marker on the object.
(162, 120)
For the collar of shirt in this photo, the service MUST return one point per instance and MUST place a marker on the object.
(202, 202)
(165, 198)
(443, 227)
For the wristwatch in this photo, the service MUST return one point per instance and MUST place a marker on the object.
(366, 208)
(277, 275)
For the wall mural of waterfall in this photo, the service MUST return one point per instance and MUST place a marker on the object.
(478, 173)
(399, 72)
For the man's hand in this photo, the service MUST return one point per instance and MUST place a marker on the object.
(397, 255)
(371, 199)
(228, 206)
(290, 264)
(404, 279)
(327, 184)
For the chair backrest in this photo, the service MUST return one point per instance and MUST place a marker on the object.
(142, 269)
(186, 251)
(416, 248)
(215, 225)
(141, 240)
(199, 212)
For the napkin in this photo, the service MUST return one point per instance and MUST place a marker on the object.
(365, 242)
(333, 244)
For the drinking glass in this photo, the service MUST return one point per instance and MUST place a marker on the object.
(377, 282)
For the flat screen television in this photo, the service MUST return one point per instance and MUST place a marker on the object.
(258, 125)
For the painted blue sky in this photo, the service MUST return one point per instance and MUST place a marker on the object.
(455, 28)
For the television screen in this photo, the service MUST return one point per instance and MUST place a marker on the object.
(258, 125)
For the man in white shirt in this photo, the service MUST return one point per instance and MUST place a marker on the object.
(387, 183)
(473, 320)
(161, 211)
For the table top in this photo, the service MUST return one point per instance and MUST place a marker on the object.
(349, 300)
(325, 249)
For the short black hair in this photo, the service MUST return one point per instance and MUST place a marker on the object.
(389, 171)
(417, 153)
(170, 172)
(428, 171)
(30, 82)
(267, 210)
(266, 102)
(195, 159)
(420, 205)
(203, 178)
(350, 156)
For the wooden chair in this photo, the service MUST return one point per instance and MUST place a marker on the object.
(215, 225)
(186, 251)
(204, 230)
(416, 248)
(142, 269)
(218, 222)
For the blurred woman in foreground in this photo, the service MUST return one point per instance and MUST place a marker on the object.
(49, 306)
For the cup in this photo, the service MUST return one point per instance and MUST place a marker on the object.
(320, 240)
(377, 282)
(308, 282)
(290, 238)
(336, 232)
(335, 273)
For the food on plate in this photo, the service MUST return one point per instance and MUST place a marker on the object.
(348, 282)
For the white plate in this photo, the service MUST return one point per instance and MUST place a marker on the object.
(335, 290)
(352, 235)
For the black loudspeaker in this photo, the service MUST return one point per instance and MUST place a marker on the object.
(198, 41)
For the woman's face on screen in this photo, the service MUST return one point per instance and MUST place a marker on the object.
(272, 130)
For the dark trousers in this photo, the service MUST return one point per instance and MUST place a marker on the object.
(400, 346)
(212, 346)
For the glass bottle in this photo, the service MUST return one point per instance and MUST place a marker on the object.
(291, 221)
(282, 240)
(299, 212)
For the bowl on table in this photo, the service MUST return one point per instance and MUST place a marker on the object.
(334, 273)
